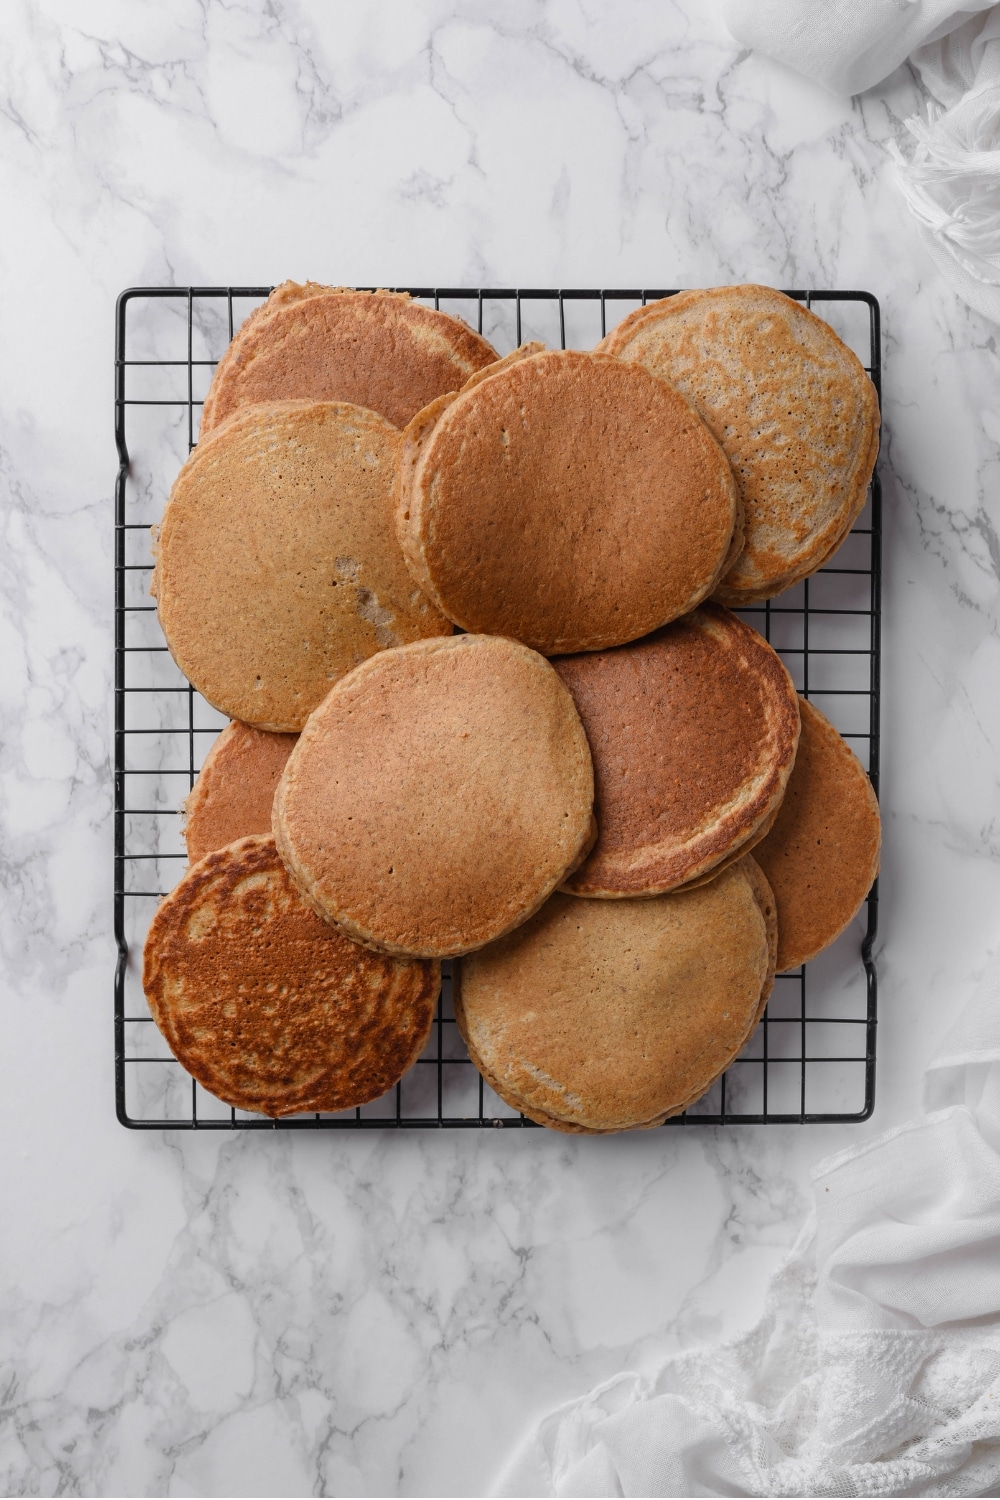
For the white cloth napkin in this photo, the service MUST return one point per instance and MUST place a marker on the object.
(952, 181)
(848, 45)
(875, 1369)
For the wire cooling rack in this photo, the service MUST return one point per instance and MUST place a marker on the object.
(813, 1056)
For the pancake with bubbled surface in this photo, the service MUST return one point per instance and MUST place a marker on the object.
(599, 1016)
(822, 855)
(266, 1005)
(319, 343)
(277, 563)
(568, 500)
(233, 793)
(693, 733)
(791, 405)
(438, 795)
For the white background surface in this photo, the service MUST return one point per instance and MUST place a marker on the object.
(324, 1314)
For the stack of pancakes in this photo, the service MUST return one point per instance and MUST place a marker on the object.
(602, 797)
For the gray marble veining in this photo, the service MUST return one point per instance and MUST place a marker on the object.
(379, 1315)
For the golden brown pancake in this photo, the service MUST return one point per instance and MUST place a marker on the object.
(321, 343)
(568, 500)
(822, 854)
(693, 732)
(267, 1006)
(277, 564)
(792, 407)
(597, 1016)
(235, 788)
(437, 796)
(764, 897)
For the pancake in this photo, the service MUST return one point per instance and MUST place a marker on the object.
(740, 850)
(438, 796)
(598, 1016)
(791, 405)
(235, 788)
(693, 733)
(267, 1006)
(822, 854)
(321, 343)
(567, 500)
(277, 564)
(765, 899)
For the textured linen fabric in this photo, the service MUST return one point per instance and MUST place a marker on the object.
(951, 183)
(875, 1369)
(847, 45)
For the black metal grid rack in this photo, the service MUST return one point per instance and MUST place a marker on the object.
(813, 1056)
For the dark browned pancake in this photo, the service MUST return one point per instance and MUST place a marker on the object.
(567, 500)
(598, 1016)
(693, 733)
(321, 343)
(269, 1007)
(437, 796)
(822, 854)
(234, 791)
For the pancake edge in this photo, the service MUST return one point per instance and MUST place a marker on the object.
(833, 735)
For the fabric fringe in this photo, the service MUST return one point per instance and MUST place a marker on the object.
(952, 182)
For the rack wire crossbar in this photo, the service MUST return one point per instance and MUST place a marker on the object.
(812, 1058)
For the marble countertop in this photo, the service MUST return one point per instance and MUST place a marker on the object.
(382, 1313)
